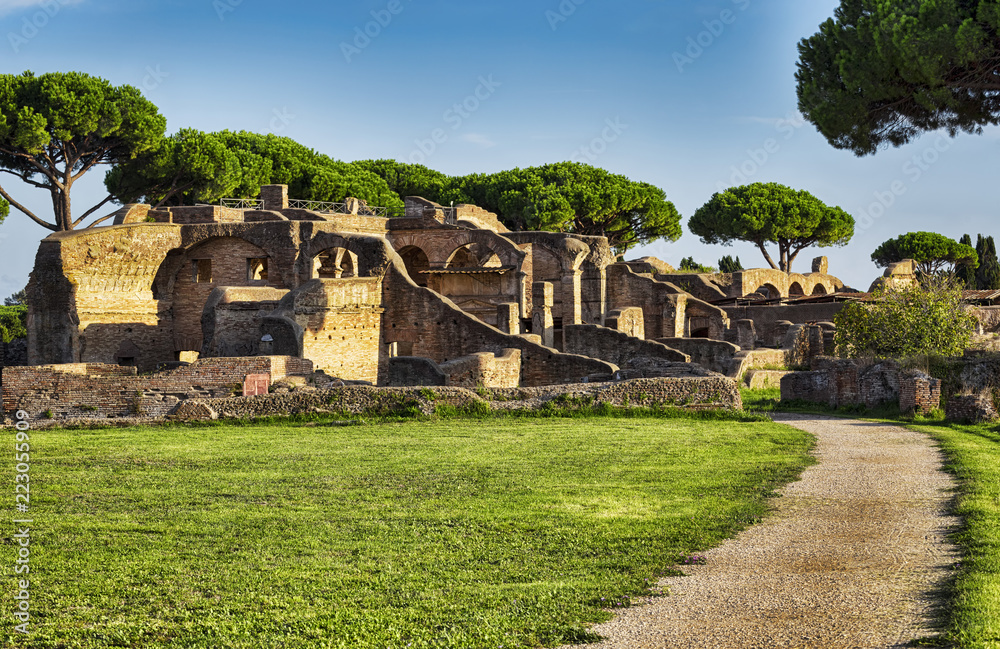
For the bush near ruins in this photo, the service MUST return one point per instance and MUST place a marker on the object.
(905, 322)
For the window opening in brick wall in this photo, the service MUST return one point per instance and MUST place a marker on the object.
(201, 271)
(257, 269)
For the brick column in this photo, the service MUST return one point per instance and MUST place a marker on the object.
(746, 334)
(674, 317)
(541, 312)
(572, 294)
(509, 319)
(275, 197)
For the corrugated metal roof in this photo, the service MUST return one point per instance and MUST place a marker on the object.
(981, 295)
(479, 270)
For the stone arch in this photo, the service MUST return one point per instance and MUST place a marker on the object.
(370, 256)
(335, 263)
(464, 257)
(795, 290)
(769, 290)
(483, 245)
(415, 260)
(819, 289)
(751, 281)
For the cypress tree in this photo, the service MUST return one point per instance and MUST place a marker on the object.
(729, 265)
(980, 250)
(967, 274)
(989, 267)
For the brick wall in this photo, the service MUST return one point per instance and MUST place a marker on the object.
(97, 390)
(232, 318)
(615, 346)
(227, 258)
(657, 300)
(92, 290)
(765, 317)
(427, 325)
(485, 369)
(846, 382)
(919, 393)
(337, 324)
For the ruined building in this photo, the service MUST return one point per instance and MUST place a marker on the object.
(370, 296)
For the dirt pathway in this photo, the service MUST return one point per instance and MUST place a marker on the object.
(850, 559)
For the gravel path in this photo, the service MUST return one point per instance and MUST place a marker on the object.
(849, 559)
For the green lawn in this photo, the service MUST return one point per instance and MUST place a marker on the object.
(974, 607)
(445, 533)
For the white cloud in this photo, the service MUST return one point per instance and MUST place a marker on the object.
(50, 6)
(479, 140)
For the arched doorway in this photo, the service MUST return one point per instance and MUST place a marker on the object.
(415, 261)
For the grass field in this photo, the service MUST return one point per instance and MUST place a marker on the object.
(445, 533)
(974, 458)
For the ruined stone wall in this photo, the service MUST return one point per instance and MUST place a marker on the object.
(225, 260)
(485, 369)
(480, 218)
(98, 390)
(335, 323)
(715, 355)
(846, 382)
(422, 323)
(919, 393)
(629, 321)
(765, 317)
(91, 291)
(360, 224)
(614, 346)
(232, 317)
(658, 301)
(188, 215)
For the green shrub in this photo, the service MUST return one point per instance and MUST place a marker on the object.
(905, 322)
(13, 322)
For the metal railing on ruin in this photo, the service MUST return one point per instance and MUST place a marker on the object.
(243, 203)
(329, 207)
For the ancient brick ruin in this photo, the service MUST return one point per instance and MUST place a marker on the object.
(435, 295)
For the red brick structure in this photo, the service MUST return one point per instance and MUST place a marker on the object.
(347, 291)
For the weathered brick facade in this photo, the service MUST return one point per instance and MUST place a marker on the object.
(349, 291)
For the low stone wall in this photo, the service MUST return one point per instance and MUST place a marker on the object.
(971, 409)
(715, 391)
(485, 369)
(847, 382)
(712, 392)
(762, 379)
(82, 390)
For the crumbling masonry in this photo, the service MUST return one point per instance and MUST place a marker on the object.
(359, 294)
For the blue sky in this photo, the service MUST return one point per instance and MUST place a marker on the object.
(689, 96)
